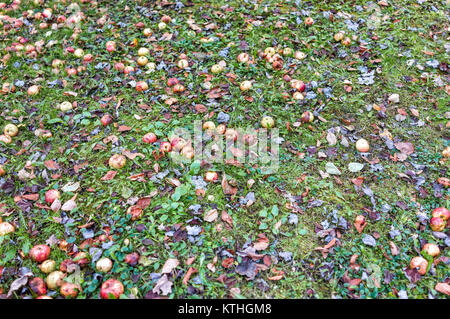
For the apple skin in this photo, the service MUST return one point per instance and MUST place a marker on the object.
(111, 289)
(149, 138)
(51, 195)
(441, 212)
(437, 224)
(40, 253)
(37, 285)
(69, 289)
(132, 259)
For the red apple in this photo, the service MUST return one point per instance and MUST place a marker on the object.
(149, 138)
(111, 289)
(437, 224)
(178, 88)
(44, 297)
(106, 119)
(119, 66)
(172, 81)
(132, 259)
(51, 195)
(69, 289)
(38, 286)
(40, 253)
(441, 212)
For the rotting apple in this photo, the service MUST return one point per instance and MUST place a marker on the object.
(81, 259)
(55, 279)
(119, 66)
(220, 129)
(111, 289)
(446, 152)
(51, 195)
(178, 88)
(147, 32)
(69, 289)
(183, 64)
(309, 21)
(141, 86)
(245, 85)
(420, 264)
(37, 285)
(437, 224)
(117, 161)
(2, 170)
(165, 147)
(5, 139)
(231, 134)
(298, 85)
(339, 36)
(441, 212)
(307, 117)
(188, 152)
(136, 212)
(132, 259)
(243, 57)
(298, 96)
(209, 125)
(299, 55)
(65, 106)
(39, 253)
(172, 81)
(106, 119)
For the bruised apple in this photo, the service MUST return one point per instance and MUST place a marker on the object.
(437, 224)
(441, 212)
(132, 259)
(420, 264)
(307, 117)
(149, 138)
(55, 279)
(40, 253)
(111, 289)
(165, 147)
(267, 122)
(211, 176)
(37, 285)
(69, 289)
(431, 249)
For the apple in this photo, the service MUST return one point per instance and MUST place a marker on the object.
(165, 147)
(65, 106)
(47, 13)
(147, 32)
(339, 36)
(2, 170)
(110, 46)
(5, 139)
(11, 130)
(446, 152)
(128, 69)
(297, 96)
(299, 55)
(183, 64)
(188, 152)
(143, 51)
(178, 144)
(431, 249)
(162, 25)
(6, 228)
(346, 41)
(104, 265)
(44, 297)
(209, 125)
(69, 289)
(117, 161)
(119, 66)
(51, 195)
(57, 63)
(149, 138)
(67, 265)
(135, 212)
(245, 85)
(420, 264)
(298, 85)
(307, 117)
(267, 122)
(216, 68)
(111, 289)
(106, 119)
(437, 224)
(269, 51)
(141, 86)
(166, 19)
(360, 220)
(71, 71)
(172, 81)
(151, 66)
(40, 253)
(231, 134)
(178, 88)
(132, 259)
(287, 51)
(243, 57)
(309, 21)
(81, 258)
(441, 212)
(47, 266)
(88, 57)
(37, 285)
(78, 53)
(362, 145)
(211, 176)
(55, 279)
(220, 129)
(142, 60)
(33, 90)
